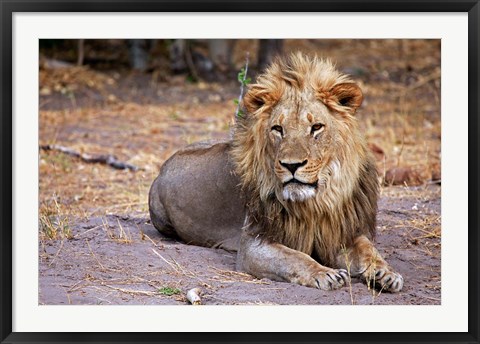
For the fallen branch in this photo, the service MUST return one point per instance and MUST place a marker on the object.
(106, 159)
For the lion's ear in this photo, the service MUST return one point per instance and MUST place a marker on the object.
(348, 95)
(254, 99)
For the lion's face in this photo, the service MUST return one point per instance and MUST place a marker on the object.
(302, 138)
(299, 132)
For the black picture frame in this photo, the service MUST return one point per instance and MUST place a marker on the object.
(9, 7)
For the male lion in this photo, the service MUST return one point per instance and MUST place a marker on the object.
(294, 192)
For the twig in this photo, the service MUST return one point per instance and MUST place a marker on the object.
(106, 159)
(234, 276)
(231, 273)
(56, 254)
(427, 236)
(126, 239)
(166, 261)
(348, 264)
(153, 242)
(68, 297)
(119, 205)
(94, 256)
(130, 291)
(89, 230)
(242, 87)
(70, 288)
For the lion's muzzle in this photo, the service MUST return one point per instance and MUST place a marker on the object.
(296, 181)
(295, 187)
(297, 191)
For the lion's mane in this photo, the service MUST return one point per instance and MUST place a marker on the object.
(346, 207)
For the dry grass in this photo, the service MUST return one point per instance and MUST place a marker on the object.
(53, 223)
(424, 232)
(371, 279)
(71, 79)
(348, 264)
(430, 227)
(171, 280)
(400, 115)
(117, 233)
(228, 276)
(147, 143)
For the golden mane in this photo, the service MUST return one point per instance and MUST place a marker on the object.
(297, 71)
(347, 205)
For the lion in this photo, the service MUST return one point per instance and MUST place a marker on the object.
(294, 192)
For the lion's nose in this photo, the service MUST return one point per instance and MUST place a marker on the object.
(292, 167)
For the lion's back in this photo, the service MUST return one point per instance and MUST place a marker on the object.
(197, 196)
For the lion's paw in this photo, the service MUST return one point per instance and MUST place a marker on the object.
(388, 280)
(331, 279)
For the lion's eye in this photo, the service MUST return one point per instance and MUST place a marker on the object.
(317, 127)
(278, 128)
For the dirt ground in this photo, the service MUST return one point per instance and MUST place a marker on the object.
(96, 243)
(124, 260)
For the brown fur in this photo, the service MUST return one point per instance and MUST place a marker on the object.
(347, 206)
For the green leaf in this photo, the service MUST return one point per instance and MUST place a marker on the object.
(169, 291)
(241, 75)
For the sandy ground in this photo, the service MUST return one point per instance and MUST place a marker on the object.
(124, 260)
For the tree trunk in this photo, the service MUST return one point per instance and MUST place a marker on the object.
(268, 49)
(138, 54)
(177, 51)
(220, 53)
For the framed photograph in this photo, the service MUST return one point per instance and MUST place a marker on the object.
(204, 172)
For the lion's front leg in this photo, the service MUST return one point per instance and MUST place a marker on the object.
(363, 260)
(278, 262)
